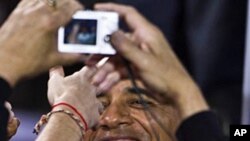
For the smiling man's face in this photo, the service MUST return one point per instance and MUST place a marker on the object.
(126, 119)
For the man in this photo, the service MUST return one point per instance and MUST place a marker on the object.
(127, 116)
(160, 70)
(172, 97)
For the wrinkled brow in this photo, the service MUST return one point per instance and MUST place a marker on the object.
(130, 90)
(137, 90)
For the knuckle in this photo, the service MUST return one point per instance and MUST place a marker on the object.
(116, 77)
(109, 67)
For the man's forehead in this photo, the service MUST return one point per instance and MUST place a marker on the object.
(123, 85)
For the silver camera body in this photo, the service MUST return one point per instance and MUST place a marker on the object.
(88, 32)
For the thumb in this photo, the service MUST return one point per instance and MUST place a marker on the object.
(57, 70)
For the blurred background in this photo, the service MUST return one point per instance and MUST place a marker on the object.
(207, 35)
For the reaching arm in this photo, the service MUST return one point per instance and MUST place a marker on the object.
(77, 95)
(29, 47)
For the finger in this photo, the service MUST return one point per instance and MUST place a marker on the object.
(11, 116)
(129, 50)
(88, 72)
(102, 62)
(12, 127)
(64, 12)
(139, 25)
(109, 81)
(15, 122)
(8, 105)
(128, 13)
(102, 73)
(58, 70)
(93, 59)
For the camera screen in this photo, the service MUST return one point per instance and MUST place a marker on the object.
(81, 32)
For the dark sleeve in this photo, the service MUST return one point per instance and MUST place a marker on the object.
(5, 92)
(203, 126)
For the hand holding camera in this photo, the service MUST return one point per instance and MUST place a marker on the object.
(89, 32)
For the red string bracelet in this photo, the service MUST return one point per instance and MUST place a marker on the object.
(75, 110)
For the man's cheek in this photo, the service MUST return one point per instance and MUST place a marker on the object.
(143, 121)
(164, 115)
(165, 118)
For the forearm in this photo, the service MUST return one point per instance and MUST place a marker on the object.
(60, 127)
(189, 99)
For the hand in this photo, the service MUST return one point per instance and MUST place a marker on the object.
(80, 89)
(28, 39)
(159, 67)
(13, 122)
(147, 49)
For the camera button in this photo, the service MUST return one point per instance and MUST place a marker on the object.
(107, 38)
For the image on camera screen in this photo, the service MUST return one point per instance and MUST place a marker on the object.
(81, 32)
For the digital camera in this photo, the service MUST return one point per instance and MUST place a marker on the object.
(88, 32)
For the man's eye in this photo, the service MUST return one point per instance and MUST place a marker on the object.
(105, 104)
(139, 103)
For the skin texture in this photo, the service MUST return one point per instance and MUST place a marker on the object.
(125, 118)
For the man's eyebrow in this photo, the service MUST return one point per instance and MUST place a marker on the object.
(137, 90)
(131, 90)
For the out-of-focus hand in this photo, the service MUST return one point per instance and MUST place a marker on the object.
(147, 49)
(80, 89)
(28, 43)
(13, 123)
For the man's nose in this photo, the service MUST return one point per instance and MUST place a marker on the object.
(115, 116)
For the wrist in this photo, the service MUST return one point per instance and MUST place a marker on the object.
(60, 126)
(191, 105)
(67, 120)
(189, 99)
(67, 106)
(75, 102)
